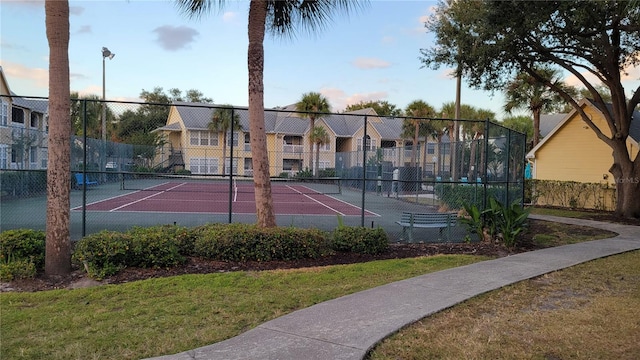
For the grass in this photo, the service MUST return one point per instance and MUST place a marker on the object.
(170, 315)
(590, 311)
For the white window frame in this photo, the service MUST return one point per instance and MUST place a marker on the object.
(226, 165)
(4, 155)
(325, 147)
(4, 113)
(371, 144)
(203, 165)
(33, 156)
(324, 164)
(235, 138)
(203, 138)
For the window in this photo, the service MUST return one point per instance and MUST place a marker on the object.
(371, 144)
(17, 115)
(33, 155)
(34, 119)
(235, 139)
(204, 138)
(325, 147)
(4, 113)
(322, 165)
(247, 142)
(4, 150)
(226, 166)
(431, 148)
(203, 166)
(44, 158)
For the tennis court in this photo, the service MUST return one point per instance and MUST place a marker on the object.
(207, 195)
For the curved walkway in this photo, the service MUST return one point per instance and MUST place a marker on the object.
(347, 327)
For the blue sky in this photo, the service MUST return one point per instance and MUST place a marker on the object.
(370, 55)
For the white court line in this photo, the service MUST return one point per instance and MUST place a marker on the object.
(342, 201)
(145, 198)
(319, 202)
(116, 197)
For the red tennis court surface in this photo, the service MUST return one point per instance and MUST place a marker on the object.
(179, 197)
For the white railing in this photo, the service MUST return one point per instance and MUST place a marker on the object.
(292, 148)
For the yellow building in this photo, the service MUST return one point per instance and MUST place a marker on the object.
(572, 152)
(192, 145)
(23, 130)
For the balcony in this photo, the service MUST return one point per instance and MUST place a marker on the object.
(292, 149)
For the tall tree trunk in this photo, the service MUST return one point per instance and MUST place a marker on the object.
(536, 127)
(312, 123)
(58, 238)
(627, 176)
(255, 58)
(317, 174)
(414, 147)
(224, 153)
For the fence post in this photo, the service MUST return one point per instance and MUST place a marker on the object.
(364, 171)
(230, 169)
(84, 168)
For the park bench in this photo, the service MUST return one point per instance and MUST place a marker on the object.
(82, 180)
(427, 220)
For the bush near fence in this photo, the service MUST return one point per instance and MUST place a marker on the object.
(570, 194)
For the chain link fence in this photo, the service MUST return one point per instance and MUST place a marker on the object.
(362, 169)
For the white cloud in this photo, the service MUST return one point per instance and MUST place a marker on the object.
(174, 38)
(370, 63)
(229, 16)
(339, 99)
(37, 76)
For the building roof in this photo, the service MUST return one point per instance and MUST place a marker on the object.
(196, 116)
(634, 129)
(549, 121)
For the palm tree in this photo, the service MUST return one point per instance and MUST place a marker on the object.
(58, 238)
(311, 104)
(525, 92)
(283, 16)
(418, 110)
(223, 120)
(319, 136)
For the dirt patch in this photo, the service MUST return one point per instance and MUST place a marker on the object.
(196, 265)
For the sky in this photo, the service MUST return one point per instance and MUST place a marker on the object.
(372, 54)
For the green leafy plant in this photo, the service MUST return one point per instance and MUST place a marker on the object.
(23, 244)
(474, 222)
(360, 240)
(103, 254)
(247, 242)
(506, 222)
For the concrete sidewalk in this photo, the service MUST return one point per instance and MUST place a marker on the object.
(349, 326)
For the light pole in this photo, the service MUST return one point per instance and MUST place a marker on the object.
(105, 54)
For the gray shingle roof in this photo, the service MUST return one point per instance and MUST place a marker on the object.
(37, 105)
(548, 122)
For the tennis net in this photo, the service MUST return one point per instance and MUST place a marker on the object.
(222, 184)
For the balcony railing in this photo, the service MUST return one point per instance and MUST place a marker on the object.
(292, 148)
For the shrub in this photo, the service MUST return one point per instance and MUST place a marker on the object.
(360, 240)
(506, 222)
(14, 269)
(243, 242)
(104, 253)
(156, 247)
(23, 244)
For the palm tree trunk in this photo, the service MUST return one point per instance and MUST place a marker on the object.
(414, 148)
(536, 127)
(312, 121)
(224, 151)
(260, 158)
(317, 173)
(58, 238)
